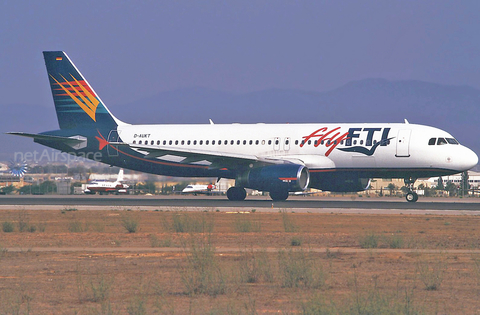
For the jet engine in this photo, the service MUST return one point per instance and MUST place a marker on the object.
(282, 177)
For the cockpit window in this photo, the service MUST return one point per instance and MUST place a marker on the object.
(452, 141)
(441, 141)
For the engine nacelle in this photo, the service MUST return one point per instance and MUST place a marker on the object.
(282, 177)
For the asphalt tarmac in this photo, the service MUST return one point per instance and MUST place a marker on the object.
(307, 203)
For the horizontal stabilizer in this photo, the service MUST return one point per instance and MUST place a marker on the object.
(76, 142)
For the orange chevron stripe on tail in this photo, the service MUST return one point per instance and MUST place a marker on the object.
(83, 96)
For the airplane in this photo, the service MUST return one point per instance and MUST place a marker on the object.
(103, 187)
(200, 189)
(276, 158)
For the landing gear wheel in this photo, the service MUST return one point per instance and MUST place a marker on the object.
(236, 194)
(281, 195)
(411, 197)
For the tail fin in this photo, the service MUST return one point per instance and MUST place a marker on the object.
(120, 175)
(77, 105)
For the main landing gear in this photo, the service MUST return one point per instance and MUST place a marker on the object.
(236, 194)
(239, 194)
(279, 195)
(411, 196)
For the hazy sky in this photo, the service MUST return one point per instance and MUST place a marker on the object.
(132, 49)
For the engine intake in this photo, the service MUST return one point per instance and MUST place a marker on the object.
(282, 177)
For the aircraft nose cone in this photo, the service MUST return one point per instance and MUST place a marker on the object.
(462, 159)
(471, 159)
(467, 159)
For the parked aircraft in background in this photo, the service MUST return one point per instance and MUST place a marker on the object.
(107, 187)
(278, 158)
(200, 189)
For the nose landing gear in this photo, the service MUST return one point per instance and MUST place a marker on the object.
(411, 196)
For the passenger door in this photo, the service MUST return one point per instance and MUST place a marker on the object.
(403, 143)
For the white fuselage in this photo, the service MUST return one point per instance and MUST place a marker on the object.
(404, 145)
(107, 187)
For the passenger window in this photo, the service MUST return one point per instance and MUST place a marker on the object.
(225, 142)
(287, 142)
(441, 141)
(250, 142)
(244, 142)
(201, 142)
(309, 142)
(432, 141)
(134, 141)
(194, 142)
(164, 142)
(270, 142)
(256, 142)
(183, 142)
(188, 142)
(176, 142)
(206, 142)
(140, 142)
(152, 142)
(213, 142)
(238, 142)
(296, 142)
(158, 142)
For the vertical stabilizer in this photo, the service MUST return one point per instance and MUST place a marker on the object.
(76, 103)
(120, 176)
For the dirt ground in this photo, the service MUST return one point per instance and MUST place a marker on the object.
(87, 262)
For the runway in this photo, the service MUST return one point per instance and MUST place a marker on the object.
(294, 203)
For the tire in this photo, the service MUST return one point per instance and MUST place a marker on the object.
(281, 195)
(236, 194)
(411, 197)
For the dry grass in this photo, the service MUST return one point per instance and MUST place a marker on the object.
(214, 265)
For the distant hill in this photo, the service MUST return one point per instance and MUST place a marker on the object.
(455, 109)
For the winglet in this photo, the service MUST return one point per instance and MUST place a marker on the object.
(406, 122)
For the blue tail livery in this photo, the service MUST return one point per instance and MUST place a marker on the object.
(76, 103)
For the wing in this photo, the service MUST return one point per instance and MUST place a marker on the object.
(212, 159)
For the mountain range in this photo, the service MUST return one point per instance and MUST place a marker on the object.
(455, 109)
